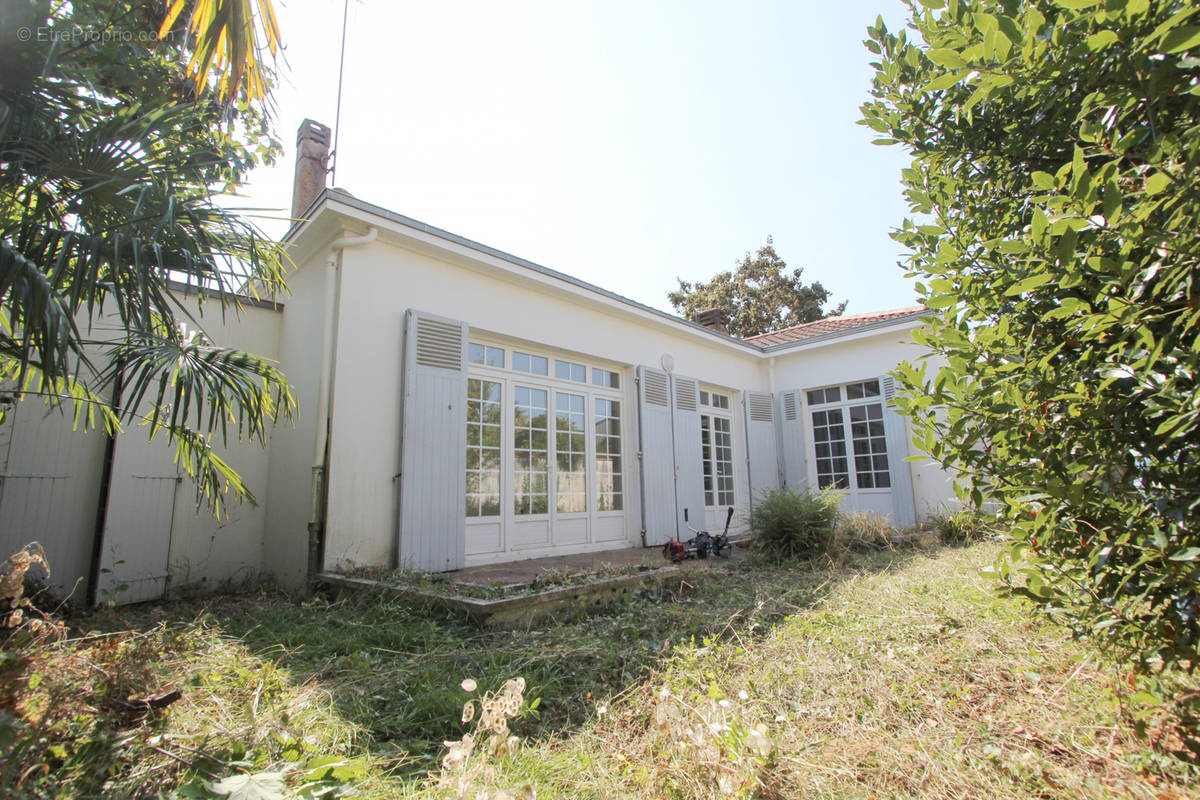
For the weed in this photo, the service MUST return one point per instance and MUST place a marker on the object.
(471, 766)
(961, 527)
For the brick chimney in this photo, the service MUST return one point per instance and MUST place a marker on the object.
(312, 163)
(715, 319)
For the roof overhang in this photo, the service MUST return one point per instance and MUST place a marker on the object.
(335, 212)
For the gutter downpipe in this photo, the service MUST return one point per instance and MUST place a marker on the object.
(319, 486)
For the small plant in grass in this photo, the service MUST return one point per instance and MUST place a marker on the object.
(864, 531)
(787, 524)
(707, 742)
(470, 767)
(961, 527)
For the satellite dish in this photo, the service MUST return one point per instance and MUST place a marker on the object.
(668, 362)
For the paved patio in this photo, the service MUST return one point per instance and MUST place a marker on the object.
(515, 572)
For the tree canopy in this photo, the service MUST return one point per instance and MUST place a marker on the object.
(112, 150)
(1055, 194)
(758, 295)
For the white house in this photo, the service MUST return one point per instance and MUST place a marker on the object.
(462, 406)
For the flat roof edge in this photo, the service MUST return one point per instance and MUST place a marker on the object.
(192, 289)
(470, 244)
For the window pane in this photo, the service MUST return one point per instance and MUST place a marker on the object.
(571, 476)
(717, 452)
(530, 450)
(607, 425)
(870, 445)
(494, 357)
(483, 448)
(604, 377)
(475, 353)
(830, 435)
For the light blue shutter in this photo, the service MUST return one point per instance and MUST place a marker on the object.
(896, 430)
(793, 455)
(762, 453)
(433, 444)
(689, 455)
(656, 455)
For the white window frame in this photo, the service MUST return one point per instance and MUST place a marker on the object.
(509, 378)
(844, 404)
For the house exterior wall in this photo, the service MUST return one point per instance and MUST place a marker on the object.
(287, 493)
(380, 281)
(51, 475)
(869, 355)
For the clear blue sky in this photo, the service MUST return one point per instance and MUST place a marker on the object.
(625, 143)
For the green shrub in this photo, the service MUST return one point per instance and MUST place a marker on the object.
(787, 524)
(1054, 192)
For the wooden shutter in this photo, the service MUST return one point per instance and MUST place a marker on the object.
(896, 429)
(762, 452)
(656, 453)
(431, 531)
(792, 453)
(689, 454)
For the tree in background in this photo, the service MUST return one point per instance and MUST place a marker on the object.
(760, 295)
(117, 130)
(1055, 193)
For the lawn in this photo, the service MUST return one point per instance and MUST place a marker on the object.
(890, 675)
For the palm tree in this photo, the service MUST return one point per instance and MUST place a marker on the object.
(113, 144)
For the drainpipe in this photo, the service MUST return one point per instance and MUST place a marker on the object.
(317, 496)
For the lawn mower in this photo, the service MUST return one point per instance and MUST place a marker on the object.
(700, 545)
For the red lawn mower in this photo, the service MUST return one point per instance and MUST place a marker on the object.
(700, 545)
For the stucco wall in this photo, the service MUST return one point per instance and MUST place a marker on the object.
(380, 281)
(869, 356)
(285, 543)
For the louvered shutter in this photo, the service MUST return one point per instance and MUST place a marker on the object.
(762, 453)
(793, 455)
(656, 452)
(896, 431)
(689, 455)
(433, 446)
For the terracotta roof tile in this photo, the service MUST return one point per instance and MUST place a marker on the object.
(830, 325)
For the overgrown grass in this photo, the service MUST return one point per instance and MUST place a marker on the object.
(893, 675)
(913, 682)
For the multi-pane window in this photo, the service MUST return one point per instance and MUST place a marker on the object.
(570, 453)
(543, 441)
(483, 448)
(570, 371)
(853, 413)
(870, 446)
(485, 354)
(534, 365)
(829, 444)
(606, 378)
(607, 417)
(717, 447)
(714, 400)
(530, 451)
